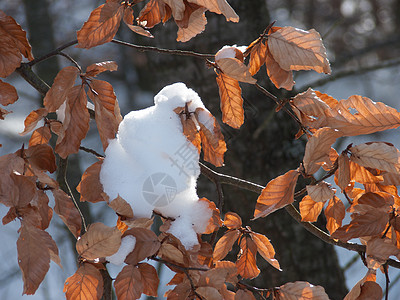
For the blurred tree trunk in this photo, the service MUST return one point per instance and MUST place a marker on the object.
(261, 150)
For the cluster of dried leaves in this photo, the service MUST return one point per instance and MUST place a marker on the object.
(201, 272)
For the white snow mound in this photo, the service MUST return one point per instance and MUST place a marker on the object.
(153, 166)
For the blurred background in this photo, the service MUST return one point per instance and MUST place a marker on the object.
(362, 39)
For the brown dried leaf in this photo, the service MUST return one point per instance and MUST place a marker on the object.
(3, 113)
(318, 149)
(121, 207)
(153, 13)
(10, 57)
(231, 100)
(97, 68)
(129, 284)
(102, 25)
(295, 49)
(334, 212)
(279, 77)
(42, 135)
(193, 22)
(232, 220)
(219, 7)
(320, 192)
(246, 264)
(99, 241)
(355, 292)
(343, 172)
(86, 283)
(62, 84)
(244, 295)
(230, 267)
(90, 187)
(23, 191)
(44, 211)
(377, 155)
(258, 55)
(301, 290)
(362, 175)
(391, 179)
(310, 209)
(41, 157)
(149, 278)
(215, 221)
(33, 118)
(67, 211)
(17, 34)
(265, 248)
(33, 247)
(8, 93)
(378, 252)
(146, 245)
(140, 222)
(209, 292)
(278, 193)
(370, 291)
(108, 115)
(235, 69)
(225, 244)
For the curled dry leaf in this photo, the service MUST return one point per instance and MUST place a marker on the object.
(310, 209)
(235, 69)
(370, 280)
(377, 155)
(58, 92)
(246, 264)
(90, 187)
(362, 175)
(99, 241)
(209, 292)
(10, 57)
(86, 283)
(67, 211)
(149, 278)
(8, 93)
(379, 250)
(279, 77)
(102, 25)
(244, 295)
(225, 244)
(215, 221)
(121, 207)
(147, 244)
(258, 55)
(301, 290)
(320, 192)
(230, 94)
(153, 13)
(193, 22)
(232, 220)
(41, 157)
(39, 136)
(219, 7)
(97, 68)
(140, 30)
(33, 118)
(318, 149)
(265, 248)
(343, 172)
(295, 49)
(334, 213)
(172, 254)
(128, 284)
(278, 193)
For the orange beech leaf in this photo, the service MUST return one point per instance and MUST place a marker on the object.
(225, 244)
(17, 34)
(193, 22)
(370, 290)
(370, 223)
(278, 193)
(378, 252)
(140, 30)
(181, 291)
(76, 122)
(232, 220)
(67, 211)
(41, 157)
(172, 254)
(219, 7)
(128, 17)
(265, 248)
(102, 25)
(128, 20)
(121, 225)
(99, 241)
(377, 155)
(215, 221)
(8, 93)
(258, 55)
(334, 213)
(121, 207)
(244, 295)
(177, 8)
(320, 192)
(318, 149)
(34, 247)
(42, 135)
(139, 222)
(208, 292)
(362, 175)
(231, 100)
(231, 268)
(279, 77)
(329, 100)
(391, 179)
(295, 49)
(235, 69)
(153, 13)
(212, 140)
(23, 191)
(97, 68)
(146, 245)
(368, 279)
(149, 278)
(33, 118)
(108, 115)
(343, 172)
(86, 283)
(363, 202)
(90, 187)
(129, 283)
(246, 264)
(189, 126)
(9, 164)
(214, 277)
(300, 290)
(310, 209)
(10, 57)
(62, 84)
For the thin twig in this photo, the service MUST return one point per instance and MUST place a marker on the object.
(52, 53)
(91, 151)
(71, 60)
(385, 269)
